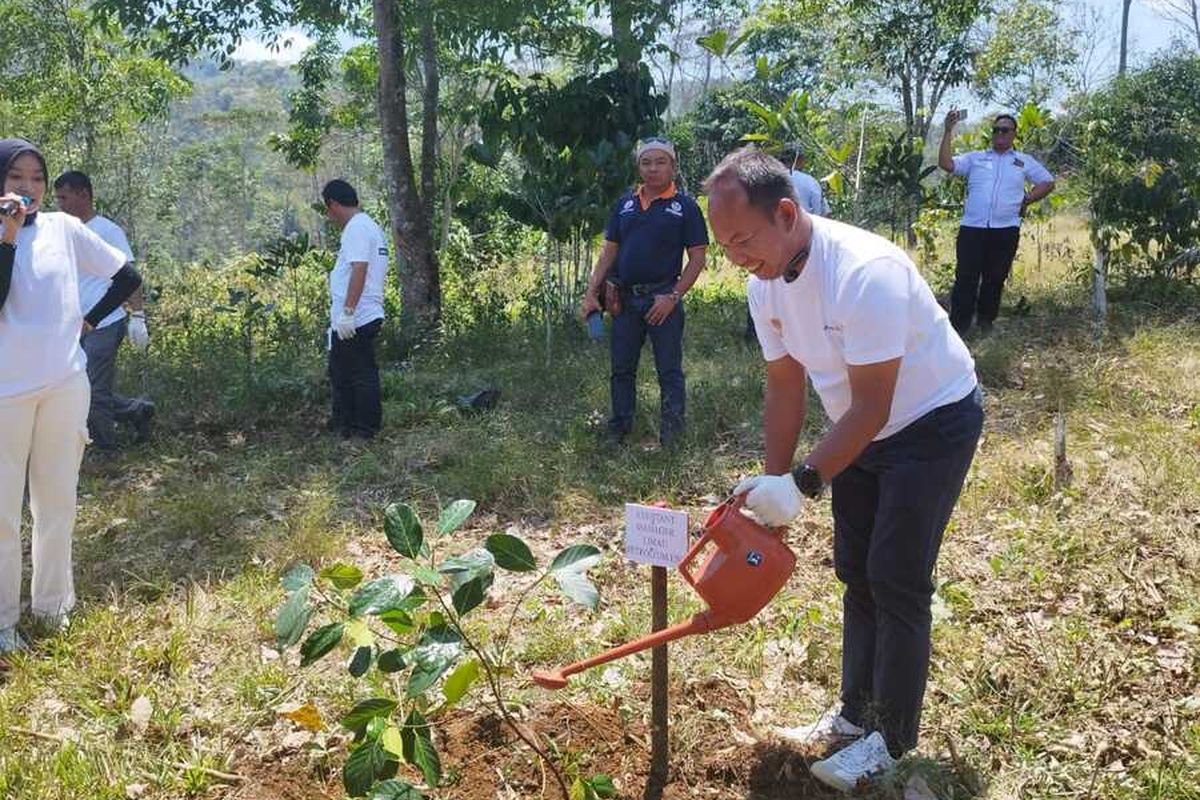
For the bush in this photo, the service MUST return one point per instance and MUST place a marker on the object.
(1142, 161)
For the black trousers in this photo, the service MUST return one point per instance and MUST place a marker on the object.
(354, 380)
(890, 508)
(985, 257)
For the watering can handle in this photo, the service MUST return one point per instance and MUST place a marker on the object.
(731, 505)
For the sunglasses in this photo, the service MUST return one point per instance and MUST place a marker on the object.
(1002, 130)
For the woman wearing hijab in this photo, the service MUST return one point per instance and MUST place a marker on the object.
(44, 390)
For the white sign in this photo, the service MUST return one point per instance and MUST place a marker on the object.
(653, 535)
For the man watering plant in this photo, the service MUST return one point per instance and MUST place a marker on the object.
(991, 223)
(848, 311)
(650, 229)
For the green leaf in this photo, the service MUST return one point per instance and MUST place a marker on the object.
(576, 586)
(360, 662)
(577, 557)
(298, 577)
(468, 596)
(762, 68)
(396, 790)
(320, 642)
(459, 682)
(427, 576)
(367, 764)
(382, 594)
(391, 661)
(579, 790)
(418, 747)
(357, 718)
(715, 42)
(343, 576)
(439, 649)
(477, 563)
(511, 553)
(293, 618)
(454, 515)
(603, 786)
(403, 529)
(399, 621)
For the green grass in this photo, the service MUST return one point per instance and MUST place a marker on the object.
(1066, 656)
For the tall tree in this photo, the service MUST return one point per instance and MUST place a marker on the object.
(1124, 36)
(921, 49)
(409, 35)
(1029, 56)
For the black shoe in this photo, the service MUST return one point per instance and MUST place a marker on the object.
(615, 437)
(141, 424)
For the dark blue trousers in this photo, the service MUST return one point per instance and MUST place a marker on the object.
(629, 332)
(354, 381)
(890, 508)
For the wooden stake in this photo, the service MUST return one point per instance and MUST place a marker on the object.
(659, 762)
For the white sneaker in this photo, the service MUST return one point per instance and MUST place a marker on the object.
(830, 729)
(866, 758)
(10, 641)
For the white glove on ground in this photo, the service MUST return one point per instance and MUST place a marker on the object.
(139, 335)
(344, 324)
(774, 499)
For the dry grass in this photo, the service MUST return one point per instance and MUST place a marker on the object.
(1067, 650)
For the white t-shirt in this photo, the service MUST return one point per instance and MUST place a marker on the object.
(810, 193)
(41, 318)
(859, 300)
(362, 240)
(91, 289)
(996, 186)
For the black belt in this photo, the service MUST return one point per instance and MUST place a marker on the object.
(643, 289)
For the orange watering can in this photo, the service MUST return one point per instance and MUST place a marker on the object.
(747, 567)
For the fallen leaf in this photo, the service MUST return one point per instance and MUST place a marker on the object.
(135, 790)
(306, 716)
(139, 714)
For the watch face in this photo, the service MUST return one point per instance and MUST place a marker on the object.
(810, 482)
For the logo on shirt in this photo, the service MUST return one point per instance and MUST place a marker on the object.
(833, 328)
(627, 208)
(675, 208)
(383, 252)
(1018, 162)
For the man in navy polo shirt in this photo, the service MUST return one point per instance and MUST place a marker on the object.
(645, 240)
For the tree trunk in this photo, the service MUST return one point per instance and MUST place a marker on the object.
(1099, 281)
(410, 218)
(1196, 21)
(628, 52)
(1124, 37)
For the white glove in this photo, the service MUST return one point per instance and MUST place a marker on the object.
(774, 499)
(344, 324)
(139, 335)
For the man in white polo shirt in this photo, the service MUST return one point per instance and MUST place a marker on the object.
(356, 314)
(991, 222)
(74, 195)
(847, 310)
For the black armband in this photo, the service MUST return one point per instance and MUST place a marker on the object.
(8, 255)
(124, 283)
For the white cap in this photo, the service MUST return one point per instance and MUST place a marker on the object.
(656, 143)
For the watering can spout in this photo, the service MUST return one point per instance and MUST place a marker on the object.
(703, 622)
(745, 565)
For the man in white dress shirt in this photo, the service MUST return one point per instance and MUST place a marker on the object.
(991, 222)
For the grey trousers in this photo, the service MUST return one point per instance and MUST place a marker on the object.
(107, 407)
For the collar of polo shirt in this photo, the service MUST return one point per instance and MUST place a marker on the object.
(667, 194)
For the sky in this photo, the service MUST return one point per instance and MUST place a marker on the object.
(1148, 32)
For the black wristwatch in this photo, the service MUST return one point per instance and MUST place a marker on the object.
(808, 480)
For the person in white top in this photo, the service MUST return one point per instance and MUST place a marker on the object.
(356, 314)
(848, 311)
(43, 384)
(991, 223)
(74, 195)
